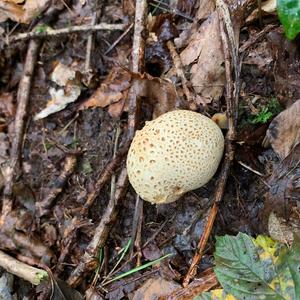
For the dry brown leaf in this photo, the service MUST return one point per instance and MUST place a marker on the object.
(284, 192)
(284, 130)
(22, 12)
(155, 288)
(111, 90)
(208, 74)
(7, 107)
(206, 7)
(160, 93)
(267, 7)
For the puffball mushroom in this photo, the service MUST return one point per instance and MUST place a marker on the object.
(178, 152)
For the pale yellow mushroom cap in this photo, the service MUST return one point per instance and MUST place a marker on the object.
(178, 152)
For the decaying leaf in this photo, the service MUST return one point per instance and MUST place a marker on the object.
(279, 229)
(205, 48)
(7, 107)
(286, 57)
(283, 196)
(284, 130)
(161, 94)
(267, 7)
(70, 90)
(22, 11)
(111, 90)
(155, 288)
(62, 74)
(205, 8)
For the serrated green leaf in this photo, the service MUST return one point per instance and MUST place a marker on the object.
(253, 268)
(289, 15)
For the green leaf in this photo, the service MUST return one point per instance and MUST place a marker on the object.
(217, 294)
(253, 268)
(289, 16)
(293, 261)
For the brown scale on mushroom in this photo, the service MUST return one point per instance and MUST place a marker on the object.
(173, 154)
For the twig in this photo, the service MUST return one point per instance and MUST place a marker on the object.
(231, 101)
(48, 32)
(113, 177)
(256, 37)
(117, 41)
(57, 186)
(20, 117)
(89, 261)
(78, 222)
(89, 44)
(22, 270)
(179, 70)
(17, 141)
(105, 175)
(138, 46)
(136, 226)
(207, 281)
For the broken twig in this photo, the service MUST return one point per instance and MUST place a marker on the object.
(49, 32)
(22, 270)
(231, 101)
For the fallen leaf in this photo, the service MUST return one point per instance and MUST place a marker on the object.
(267, 7)
(260, 56)
(62, 74)
(279, 229)
(22, 12)
(60, 98)
(7, 107)
(208, 74)
(111, 90)
(206, 7)
(155, 288)
(69, 92)
(284, 131)
(283, 195)
(285, 70)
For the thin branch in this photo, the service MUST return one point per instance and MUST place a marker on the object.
(20, 118)
(89, 261)
(49, 32)
(231, 101)
(179, 70)
(117, 41)
(57, 186)
(22, 270)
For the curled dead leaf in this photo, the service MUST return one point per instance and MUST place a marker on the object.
(284, 131)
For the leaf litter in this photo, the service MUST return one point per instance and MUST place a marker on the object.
(87, 108)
